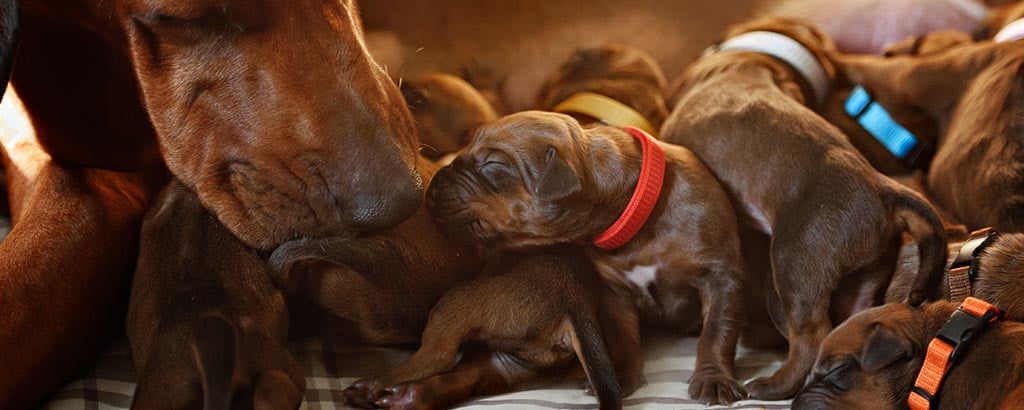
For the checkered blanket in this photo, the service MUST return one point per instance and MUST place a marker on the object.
(329, 369)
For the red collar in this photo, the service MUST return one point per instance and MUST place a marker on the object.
(645, 196)
(948, 347)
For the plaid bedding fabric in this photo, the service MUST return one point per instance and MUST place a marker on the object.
(329, 369)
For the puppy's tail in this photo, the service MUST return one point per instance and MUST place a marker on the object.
(588, 343)
(214, 345)
(920, 220)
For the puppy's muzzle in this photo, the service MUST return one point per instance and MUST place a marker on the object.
(448, 199)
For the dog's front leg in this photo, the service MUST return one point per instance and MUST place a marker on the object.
(64, 272)
(713, 381)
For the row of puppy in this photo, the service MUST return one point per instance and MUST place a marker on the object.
(735, 208)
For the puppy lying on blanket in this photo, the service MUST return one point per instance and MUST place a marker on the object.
(973, 91)
(874, 359)
(538, 309)
(202, 304)
(835, 223)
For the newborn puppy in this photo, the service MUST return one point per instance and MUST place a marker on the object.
(537, 178)
(537, 309)
(206, 326)
(378, 288)
(872, 360)
(624, 74)
(743, 111)
(973, 92)
(447, 111)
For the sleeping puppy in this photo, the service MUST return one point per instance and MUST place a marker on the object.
(207, 328)
(538, 178)
(624, 74)
(447, 111)
(379, 288)
(536, 309)
(744, 111)
(872, 360)
(972, 91)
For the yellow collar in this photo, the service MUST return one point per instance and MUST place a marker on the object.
(605, 109)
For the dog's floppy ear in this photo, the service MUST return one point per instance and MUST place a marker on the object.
(883, 348)
(10, 23)
(558, 180)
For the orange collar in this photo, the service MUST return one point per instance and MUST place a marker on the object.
(645, 196)
(948, 347)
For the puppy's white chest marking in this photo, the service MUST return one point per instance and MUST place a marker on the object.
(642, 276)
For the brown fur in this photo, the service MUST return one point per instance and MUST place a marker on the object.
(872, 360)
(797, 178)
(204, 312)
(447, 110)
(539, 178)
(975, 172)
(622, 73)
(537, 310)
(108, 91)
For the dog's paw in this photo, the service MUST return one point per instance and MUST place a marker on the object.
(764, 388)
(716, 389)
(365, 393)
(406, 396)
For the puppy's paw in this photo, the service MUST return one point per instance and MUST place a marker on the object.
(715, 388)
(411, 396)
(764, 388)
(365, 393)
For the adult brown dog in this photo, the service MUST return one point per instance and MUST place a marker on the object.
(797, 178)
(536, 310)
(109, 91)
(537, 178)
(203, 312)
(871, 361)
(976, 172)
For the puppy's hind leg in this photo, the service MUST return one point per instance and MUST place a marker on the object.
(805, 279)
(482, 372)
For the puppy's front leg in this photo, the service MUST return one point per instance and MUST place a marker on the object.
(713, 381)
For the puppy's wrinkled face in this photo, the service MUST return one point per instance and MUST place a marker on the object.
(274, 114)
(865, 363)
(626, 74)
(447, 111)
(513, 183)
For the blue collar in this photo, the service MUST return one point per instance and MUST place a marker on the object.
(871, 116)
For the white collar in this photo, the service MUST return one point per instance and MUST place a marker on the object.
(1012, 32)
(788, 50)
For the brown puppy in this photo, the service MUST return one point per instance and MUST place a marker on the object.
(203, 312)
(998, 273)
(447, 111)
(110, 90)
(538, 178)
(835, 223)
(396, 276)
(536, 309)
(872, 360)
(625, 74)
(976, 172)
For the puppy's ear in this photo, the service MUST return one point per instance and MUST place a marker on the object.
(883, 348)
(558, 180)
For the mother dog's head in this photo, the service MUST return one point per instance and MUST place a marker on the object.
(271, 110)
